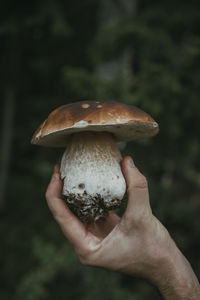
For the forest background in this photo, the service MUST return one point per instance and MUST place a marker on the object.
(144, 53)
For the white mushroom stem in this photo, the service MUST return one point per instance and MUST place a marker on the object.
(92, 174)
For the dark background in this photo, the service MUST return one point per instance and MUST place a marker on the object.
(144, 53)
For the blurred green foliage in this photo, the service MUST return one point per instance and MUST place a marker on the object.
(144, 53)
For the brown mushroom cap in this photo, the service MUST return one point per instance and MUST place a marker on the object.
(126, 122)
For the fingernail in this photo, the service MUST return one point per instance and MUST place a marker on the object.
(131, 163)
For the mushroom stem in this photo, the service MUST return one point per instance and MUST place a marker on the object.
(93, 181)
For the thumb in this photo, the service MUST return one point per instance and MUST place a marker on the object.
(138, 206)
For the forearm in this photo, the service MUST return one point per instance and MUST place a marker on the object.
(176, 279)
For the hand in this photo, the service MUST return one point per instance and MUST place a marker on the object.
(137, 244)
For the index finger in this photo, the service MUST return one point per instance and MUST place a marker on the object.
(71, 226)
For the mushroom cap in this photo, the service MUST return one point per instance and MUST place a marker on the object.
(125, 122)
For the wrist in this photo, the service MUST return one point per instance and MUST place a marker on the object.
(175, 278)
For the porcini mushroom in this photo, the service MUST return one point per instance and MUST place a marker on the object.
(90, 166)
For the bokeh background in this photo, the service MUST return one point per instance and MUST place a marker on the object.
(144, 53)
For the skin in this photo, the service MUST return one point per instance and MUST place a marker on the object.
(136, 244)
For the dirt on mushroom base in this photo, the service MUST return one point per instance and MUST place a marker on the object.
(88, 208)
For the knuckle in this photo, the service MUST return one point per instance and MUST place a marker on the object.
(83, 260)
(49, 195)
(85, 257)
(89, 254)
(139, 182)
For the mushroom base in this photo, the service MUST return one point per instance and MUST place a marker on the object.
(93, 208)
(91, 173)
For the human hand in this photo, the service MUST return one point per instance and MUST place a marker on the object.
(136, 244)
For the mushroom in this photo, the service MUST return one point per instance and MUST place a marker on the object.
(90, 166)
